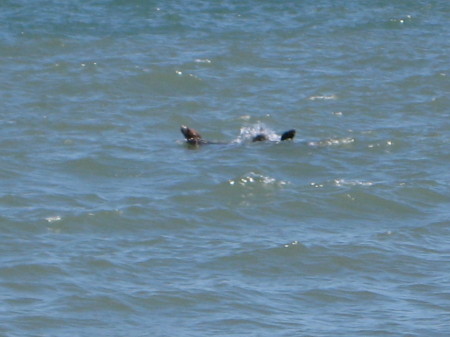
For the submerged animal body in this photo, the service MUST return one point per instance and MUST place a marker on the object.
(193, 137)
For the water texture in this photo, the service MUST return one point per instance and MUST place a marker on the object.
(110, 225)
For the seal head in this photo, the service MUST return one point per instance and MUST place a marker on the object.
(192, 136)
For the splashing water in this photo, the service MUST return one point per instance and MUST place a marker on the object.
(247, 133)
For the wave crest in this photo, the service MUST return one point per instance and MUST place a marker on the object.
(252, 179)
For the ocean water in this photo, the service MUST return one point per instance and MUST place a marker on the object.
(110, 225)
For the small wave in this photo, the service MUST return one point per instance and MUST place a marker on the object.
(245, 117)
(407, 18)
(382, 145)
(322, 97)
(203, 61)
(253, 178)
(333, 142)
(343, 182)
(180, 73)
(51, 219)
(364, 201)
(293, 244)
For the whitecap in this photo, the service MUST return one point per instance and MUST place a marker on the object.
(203, 61)
(333, 141)
(344, 182)
(402, 20)
(322, 97)
(253, 178)
(51, 219)
(293, 243)
(341, 183)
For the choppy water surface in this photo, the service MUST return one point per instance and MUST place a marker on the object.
(112, 226)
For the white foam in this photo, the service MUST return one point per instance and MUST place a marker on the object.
(343, 182)
(333, 141)
(202, 60)
(51, 219)
(253, 178)
(322, 97)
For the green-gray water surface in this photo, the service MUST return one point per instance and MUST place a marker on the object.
(111, 226)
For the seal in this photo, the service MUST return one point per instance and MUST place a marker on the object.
(193, 137)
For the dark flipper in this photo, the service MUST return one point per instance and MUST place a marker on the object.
(288, 135)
